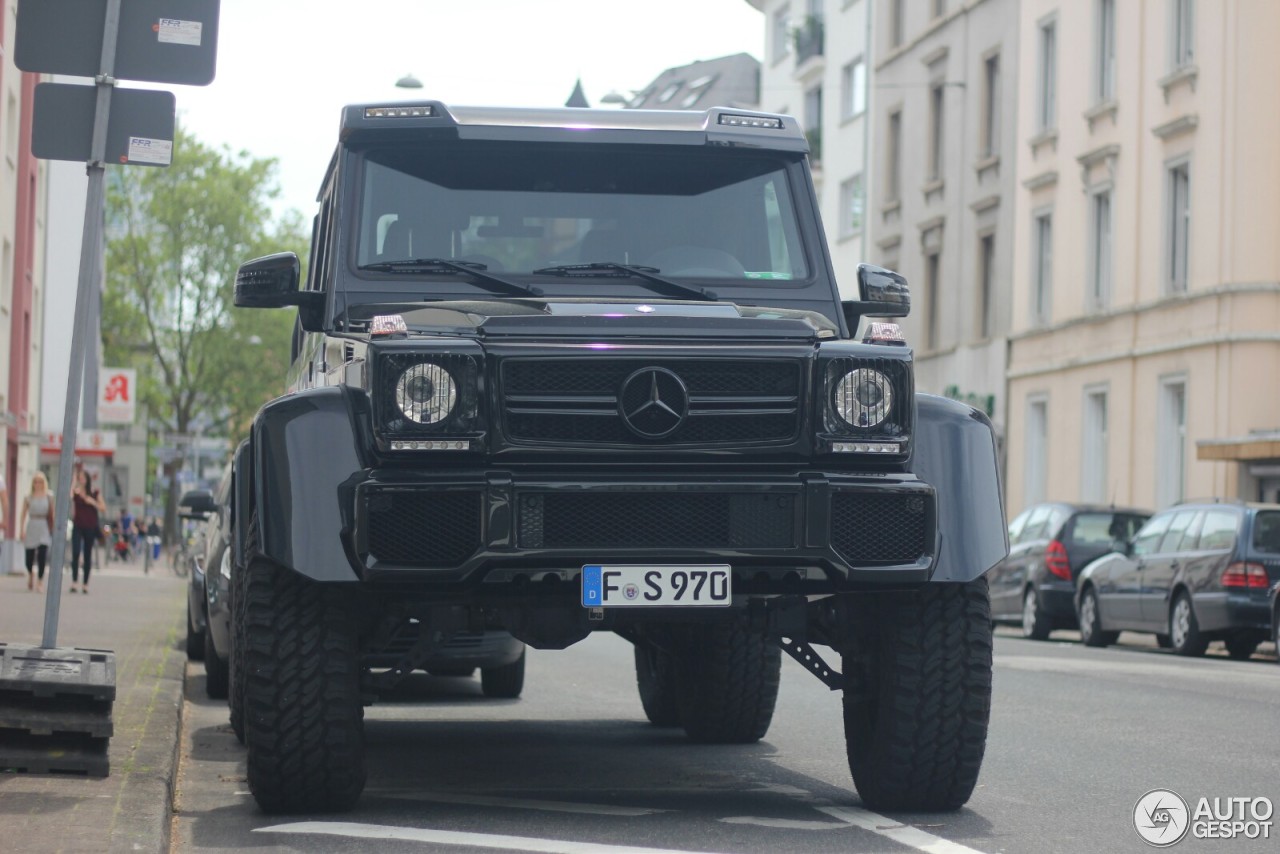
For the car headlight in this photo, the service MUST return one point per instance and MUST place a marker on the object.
(863, 398)
(426, 393)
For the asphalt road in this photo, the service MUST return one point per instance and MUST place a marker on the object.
(1078, 736)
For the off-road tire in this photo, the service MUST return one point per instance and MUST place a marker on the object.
(215, 670)
(235, 689)
(1036, 624)
(1241, 647)
(195, 640)
(917, 700)
(503, 682)
(658, 686)
(303, 712)
(1187, 639)
(728, 678)
(1091, 632)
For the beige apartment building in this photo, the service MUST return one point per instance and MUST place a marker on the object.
(1145, 340)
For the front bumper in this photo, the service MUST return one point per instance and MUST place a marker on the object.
(795, 531)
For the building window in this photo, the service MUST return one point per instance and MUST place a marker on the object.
(1171, 442)
(1104, 73)
(897, 22)
(986, 284)
(1035, 472)
(1093, 469)
(1179, 226)
(1182, 32)
(852, 205)
(937, 119)
(893, 170)
(991, 106)
(781, 34)
(853, 83)
(813, 122)
(931, 319)
(939, 8)
(1042, 269)
(1047, 96)
(1100, 251)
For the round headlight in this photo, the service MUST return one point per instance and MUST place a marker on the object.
(426, 393)
(864, 397)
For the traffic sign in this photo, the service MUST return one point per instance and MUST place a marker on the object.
(139, 129)
(159, 41)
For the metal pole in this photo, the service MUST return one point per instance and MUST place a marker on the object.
(90, 276)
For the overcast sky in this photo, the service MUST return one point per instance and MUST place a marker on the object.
(286, 68)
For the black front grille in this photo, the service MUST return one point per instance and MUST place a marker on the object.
(427, 529)
(656, 520)
(868, 528)
(575, 401)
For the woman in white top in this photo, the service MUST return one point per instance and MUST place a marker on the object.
(37, 525)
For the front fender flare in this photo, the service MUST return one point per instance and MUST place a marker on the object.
(306, 457)
(954, 451)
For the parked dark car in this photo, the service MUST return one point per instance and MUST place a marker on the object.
(1195, 573)
(207, 557)
(1049, 544)
(196, 505)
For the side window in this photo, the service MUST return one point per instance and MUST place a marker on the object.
(1173, 537)
(313, 271)
(1219, 531)
(1016, 526)
(1148, 538)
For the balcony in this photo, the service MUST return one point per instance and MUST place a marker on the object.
(808, 38)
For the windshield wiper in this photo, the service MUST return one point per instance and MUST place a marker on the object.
(649, 274)
(475, 269)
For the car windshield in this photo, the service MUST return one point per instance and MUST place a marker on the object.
(685, 213)
(1101, 529)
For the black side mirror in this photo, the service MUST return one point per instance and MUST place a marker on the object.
(198, 503)
(272, 282)
(884, 294)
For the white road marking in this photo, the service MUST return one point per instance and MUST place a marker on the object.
(525, 803)
(455, 838)
(786, 823)
(904, 834)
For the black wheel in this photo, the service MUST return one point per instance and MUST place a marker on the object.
(1164, 641)
(215, 670)
(1091, 632)
(1241, 647)
(235, 692)
(656, 681)
(728, 678)
(195, 640)
(1184, 629)
(303, 712)
(506, 681)
(1036, 624)
(917, 698)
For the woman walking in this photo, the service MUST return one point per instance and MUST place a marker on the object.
(37, 525)
(85, 526)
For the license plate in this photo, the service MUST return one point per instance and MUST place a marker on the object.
(656, 586)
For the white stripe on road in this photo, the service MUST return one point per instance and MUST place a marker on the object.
(785, 823)
(451, 837)
(523, 803)
(904, 834)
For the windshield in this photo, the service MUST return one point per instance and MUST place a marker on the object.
(687, 213)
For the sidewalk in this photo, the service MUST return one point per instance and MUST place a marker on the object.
(143, 619)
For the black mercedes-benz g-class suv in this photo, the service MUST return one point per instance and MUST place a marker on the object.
(565, 371)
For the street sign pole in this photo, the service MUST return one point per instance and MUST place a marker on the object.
(90, 276)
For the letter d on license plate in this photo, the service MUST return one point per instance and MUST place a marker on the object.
(656, 586)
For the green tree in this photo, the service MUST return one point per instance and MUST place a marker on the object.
(175, 237)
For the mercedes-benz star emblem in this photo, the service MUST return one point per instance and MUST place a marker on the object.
(653, 402)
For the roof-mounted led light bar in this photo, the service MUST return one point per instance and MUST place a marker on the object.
(399, 112)
(751, 121)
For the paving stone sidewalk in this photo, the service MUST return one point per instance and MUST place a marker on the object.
(143, 619)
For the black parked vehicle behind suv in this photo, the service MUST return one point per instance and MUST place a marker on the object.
(568, 371)
(1194, 573)
(1048, 546)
